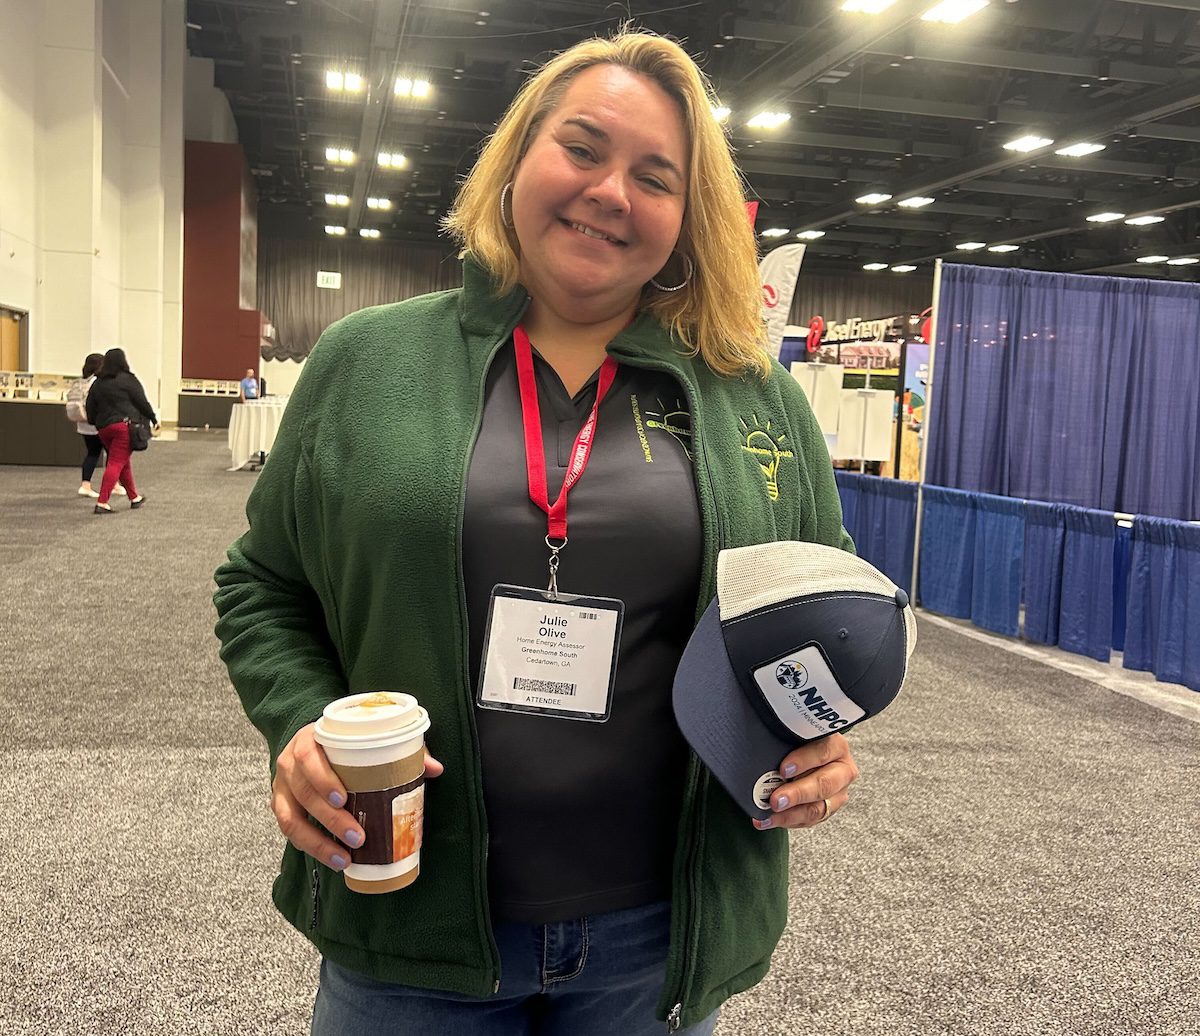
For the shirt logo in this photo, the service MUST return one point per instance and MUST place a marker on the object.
(768, 448)
(676, 422)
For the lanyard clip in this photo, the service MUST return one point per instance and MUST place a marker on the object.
(552, 586)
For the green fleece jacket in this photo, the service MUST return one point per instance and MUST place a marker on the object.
(350, 579)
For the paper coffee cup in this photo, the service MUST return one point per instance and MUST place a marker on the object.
(375, 743)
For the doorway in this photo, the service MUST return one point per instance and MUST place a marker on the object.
(14, 345)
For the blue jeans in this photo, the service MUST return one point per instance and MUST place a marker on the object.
(594, 976)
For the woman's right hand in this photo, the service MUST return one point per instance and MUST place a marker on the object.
(305, 785)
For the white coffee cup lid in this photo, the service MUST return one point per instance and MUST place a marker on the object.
(371, 720)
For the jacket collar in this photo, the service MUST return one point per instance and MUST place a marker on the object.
(482, 311)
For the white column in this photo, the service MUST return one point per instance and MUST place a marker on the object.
(68, 154)
(174, 59)
(19, 45)
(142, 228)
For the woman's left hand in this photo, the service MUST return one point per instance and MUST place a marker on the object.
(819, 774)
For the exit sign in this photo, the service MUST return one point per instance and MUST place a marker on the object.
(327, 279)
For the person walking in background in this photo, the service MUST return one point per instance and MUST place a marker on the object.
(77, 412)
(115, 398)
(248, 386)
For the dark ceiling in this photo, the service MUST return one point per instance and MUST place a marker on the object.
(882, 102)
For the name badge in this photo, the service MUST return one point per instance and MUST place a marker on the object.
(553, 656)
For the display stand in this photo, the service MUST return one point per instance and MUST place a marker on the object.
(869, 435)
(824, 401)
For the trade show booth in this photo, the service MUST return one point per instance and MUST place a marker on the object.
(1060, 493)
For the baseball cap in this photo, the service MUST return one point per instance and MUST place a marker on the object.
(801, 640)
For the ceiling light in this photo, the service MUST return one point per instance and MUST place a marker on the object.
(342, 156)
(951, 12)
(809, 235)
(768, 120)
(1152, 258)
(351, 82)
(379, 203)
(392, 160)
(335, 231)
(903, 268)
(1105, 217)
(874, 266)
(915, 203)
(775, 232)
(866, 6)
(337, 199)
(877, 198)
(1004, 248)
(406, 87)
(1079, 150)
(1029, 142)
(1185, 261)
(720, 112)
(368, 232)
(971, 246)
(1144, 221)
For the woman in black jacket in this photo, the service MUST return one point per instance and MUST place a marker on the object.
(115, 398)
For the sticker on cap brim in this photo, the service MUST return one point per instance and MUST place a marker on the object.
(805, 695)
(763, 787)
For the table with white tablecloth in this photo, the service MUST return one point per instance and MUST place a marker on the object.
(252, 428)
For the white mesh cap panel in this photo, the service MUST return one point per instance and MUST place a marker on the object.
(749, 578)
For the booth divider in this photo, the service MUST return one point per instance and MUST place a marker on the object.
(881, 515)
(1085, 618)
(1074, 568)
(1164, 600)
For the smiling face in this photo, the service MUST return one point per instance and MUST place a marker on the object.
(598, 199)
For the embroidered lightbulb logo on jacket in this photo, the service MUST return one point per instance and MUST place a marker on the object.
(677, 423)
(768, 448)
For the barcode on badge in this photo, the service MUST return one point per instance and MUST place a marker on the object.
(521, 683)
(589, 615)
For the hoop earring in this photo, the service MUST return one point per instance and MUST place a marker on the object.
(688, 270)
(506, 192)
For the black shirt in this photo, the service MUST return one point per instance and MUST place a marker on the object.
(583, 816)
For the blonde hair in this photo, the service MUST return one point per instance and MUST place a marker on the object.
(718, 314)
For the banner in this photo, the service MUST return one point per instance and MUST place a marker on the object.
(778, 271)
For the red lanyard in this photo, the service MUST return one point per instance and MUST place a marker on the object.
(535, 457)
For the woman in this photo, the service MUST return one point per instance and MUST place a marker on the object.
(116, 398)
(576, 877)
(77, 412)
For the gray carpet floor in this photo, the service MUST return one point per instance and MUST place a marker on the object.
(1019, 856)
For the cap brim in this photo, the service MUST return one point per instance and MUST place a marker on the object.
(716, 719)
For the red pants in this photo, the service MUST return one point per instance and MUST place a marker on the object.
(116, 441)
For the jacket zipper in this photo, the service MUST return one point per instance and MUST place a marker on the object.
(692, 793)
(316, 897)
(462, 607)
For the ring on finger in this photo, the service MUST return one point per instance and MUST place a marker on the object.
(825, 815)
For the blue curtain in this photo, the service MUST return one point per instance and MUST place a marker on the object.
(999, 551)
(882, 518)
(1085, 620)
(1163, 629)
(1068, 388)
(947, 551)
(1045, 530)
(848, 483)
